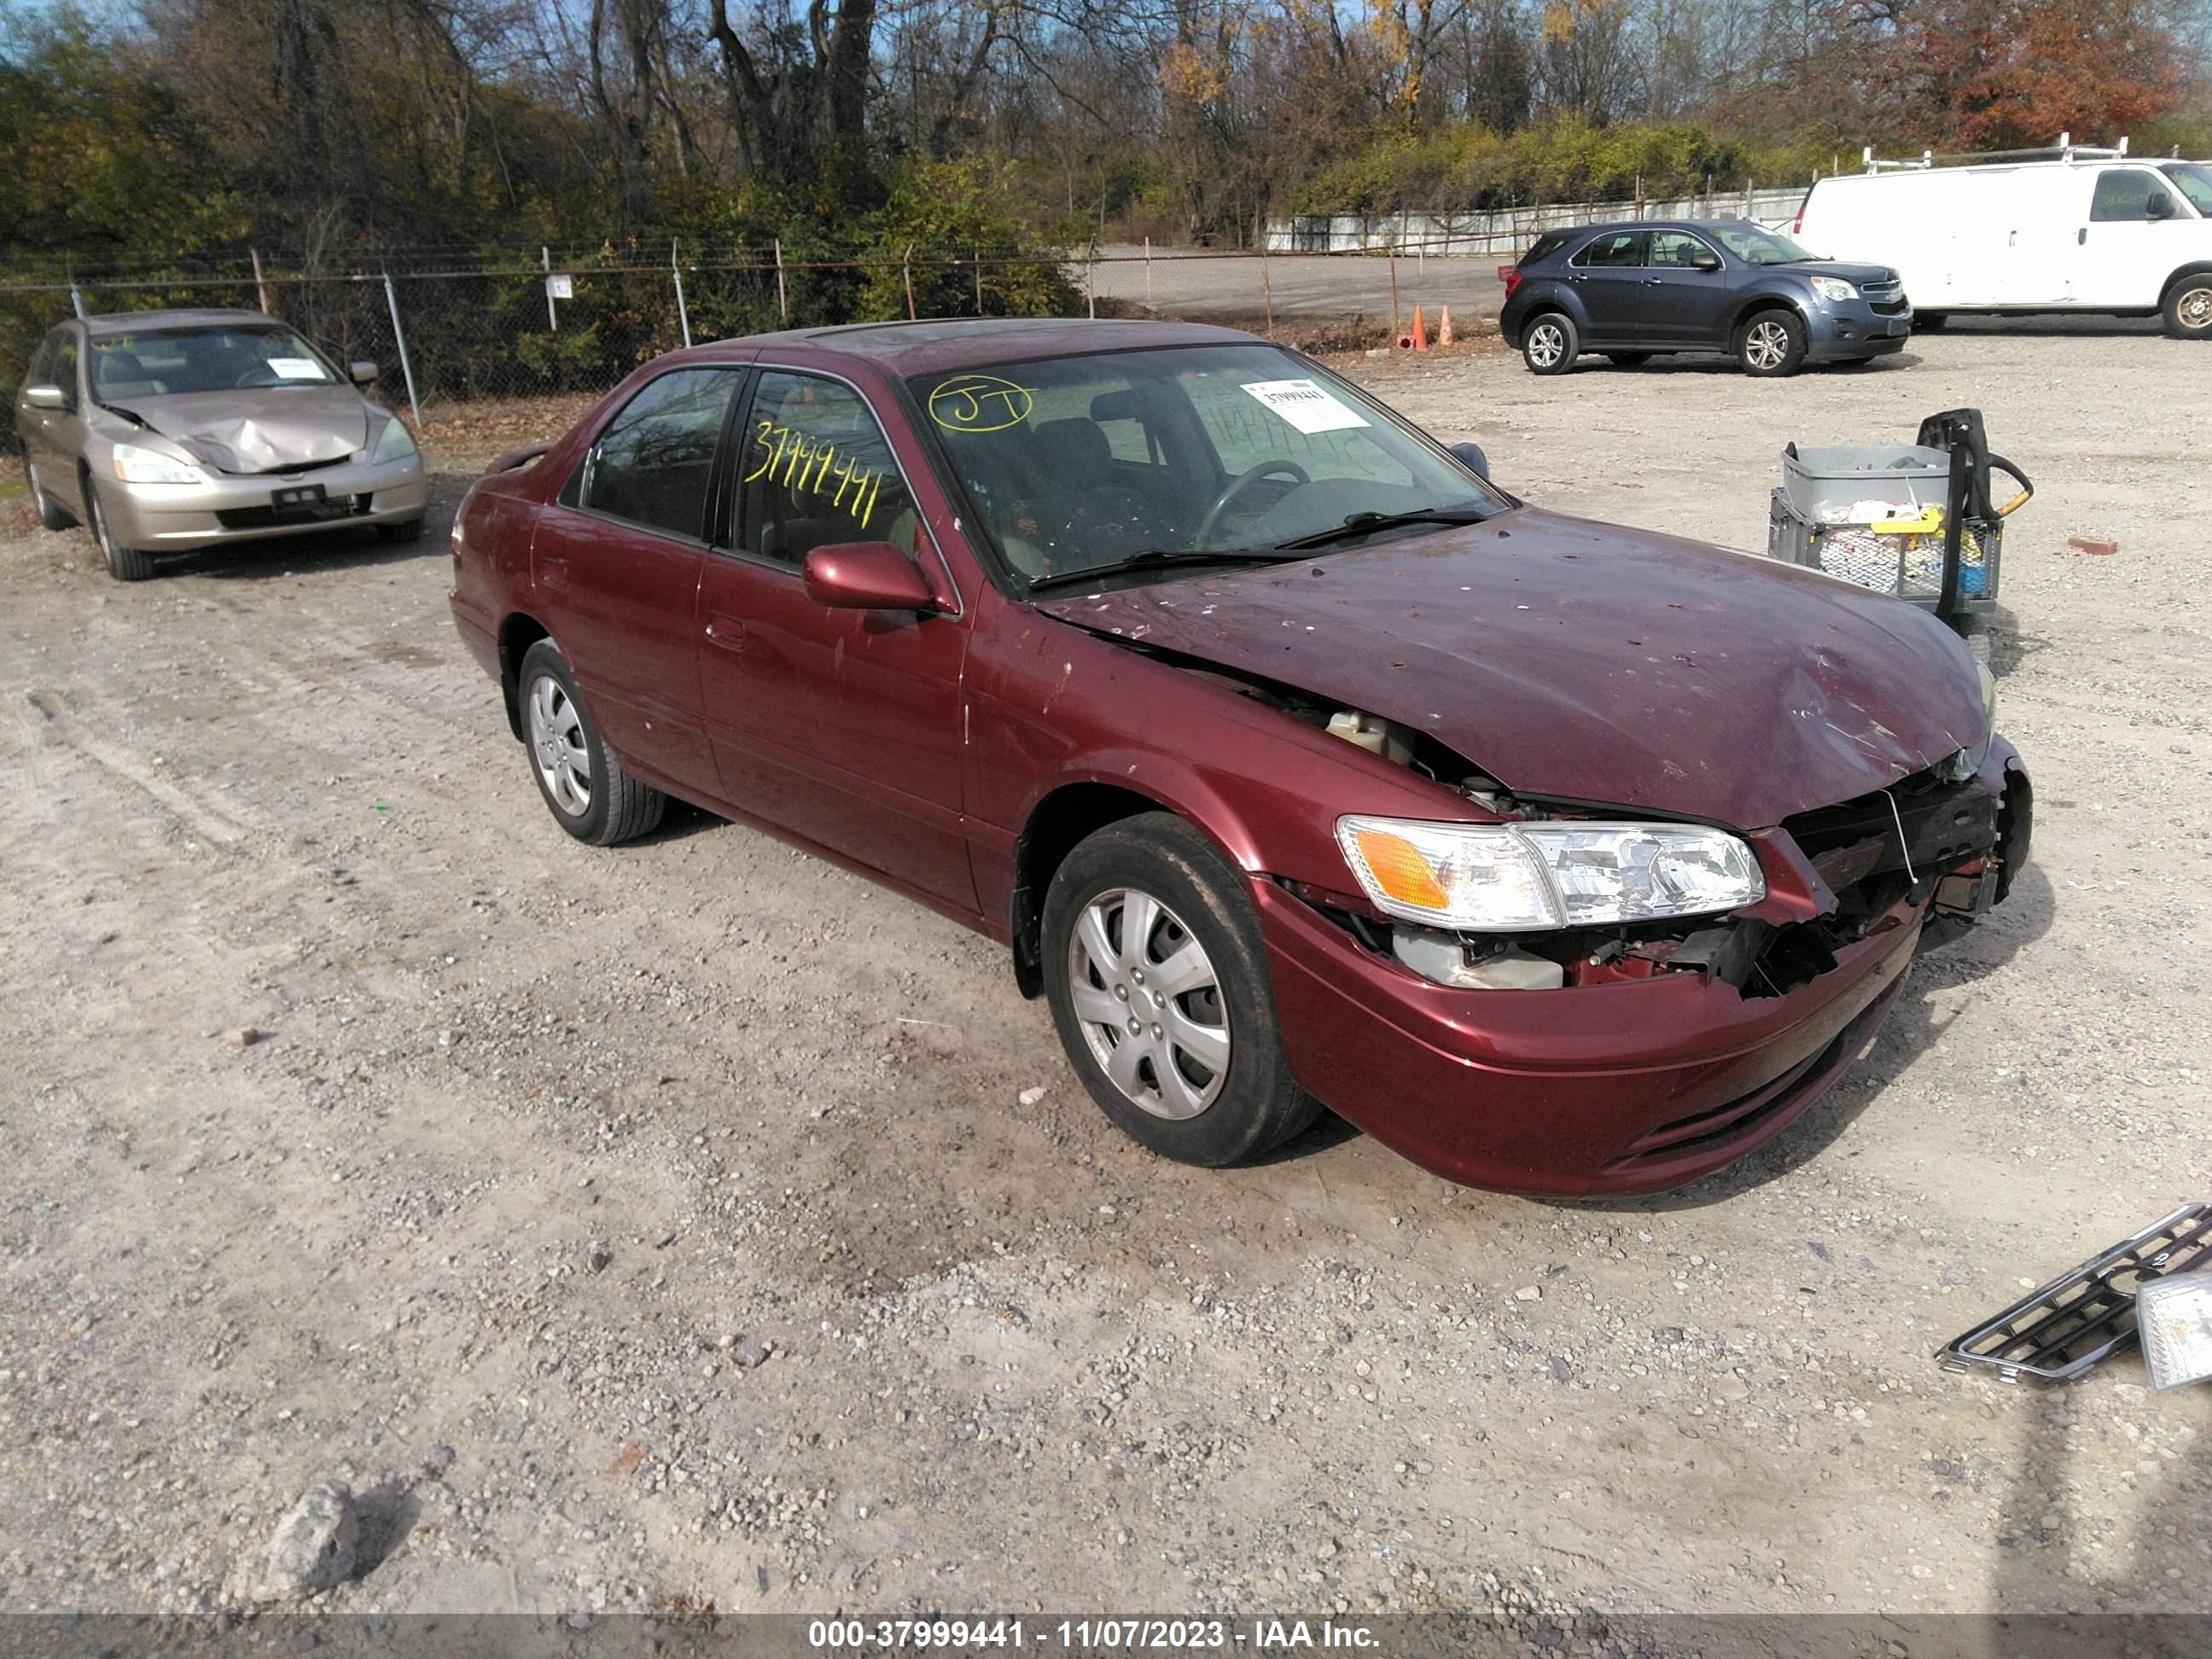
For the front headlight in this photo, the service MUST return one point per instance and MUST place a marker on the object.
(1834, 287)
(1519, 878)
(136, 466)
(1967, 762)
(395, 444)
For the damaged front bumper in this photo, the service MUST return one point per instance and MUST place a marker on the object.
(246, 506)
(1617, 1083)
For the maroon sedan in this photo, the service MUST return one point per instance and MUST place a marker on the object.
(1296, 764)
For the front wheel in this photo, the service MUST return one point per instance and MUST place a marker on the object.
(581, 779)
(126, 564)
(407, 530)
(1158, 980)
(1771, 344)
(1549, 343)
(2189, 307)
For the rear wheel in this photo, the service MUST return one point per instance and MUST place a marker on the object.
(1628, 358)
(126, 564)
(50, 510)
(581, 779)
(1549, 343)
(1158, 980)
(2189, 307)
(1771, 344)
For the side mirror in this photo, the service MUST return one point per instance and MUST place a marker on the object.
(46, 397)
(1476, 461)
(865, 576)
(2158, 205)
(1704, 259)
(363, 372)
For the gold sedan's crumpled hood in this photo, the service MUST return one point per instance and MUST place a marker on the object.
(261, 430)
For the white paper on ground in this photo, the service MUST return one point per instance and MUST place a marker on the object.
(1306, 405)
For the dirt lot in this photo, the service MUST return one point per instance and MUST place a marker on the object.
(663, 1222)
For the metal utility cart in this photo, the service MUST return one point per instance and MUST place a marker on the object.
(1912, 519)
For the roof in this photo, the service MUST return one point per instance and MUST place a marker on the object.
(938, 344)
(133, 322)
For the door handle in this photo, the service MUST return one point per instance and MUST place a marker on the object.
(1576, 277)
(2082, 236)
(554, 574)
(725, 631)
(1654, 281)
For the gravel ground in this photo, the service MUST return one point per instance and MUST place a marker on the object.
(664, 1223)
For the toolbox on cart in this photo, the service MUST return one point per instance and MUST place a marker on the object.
(1912, 519)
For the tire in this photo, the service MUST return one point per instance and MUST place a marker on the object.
(1770, 344)
(126, 564)
(600, 803)
(1628, 358)
(51, 512)
(407, 530)
(1245, 1101)
(2188, 307)
(1550, 343)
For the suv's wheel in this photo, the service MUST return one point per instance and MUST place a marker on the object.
(126, 564)
(1628, 358)
(584, 784)
(1771, 344)
(50, 510)
(1549, 343)
(1158, 980)
(2189, 307)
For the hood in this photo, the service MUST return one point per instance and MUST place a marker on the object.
(258, 430)
(1591, 662)
(1858, 276)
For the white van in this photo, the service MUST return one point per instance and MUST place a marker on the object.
(2093, 231)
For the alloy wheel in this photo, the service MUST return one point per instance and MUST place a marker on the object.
(558, 748)
(1150, 1003)
(1546, 342)
(1765, 343)
(2194, 310)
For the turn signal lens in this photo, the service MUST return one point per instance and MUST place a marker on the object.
(1400, 869)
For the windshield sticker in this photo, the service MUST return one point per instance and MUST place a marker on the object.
(295, 369)
(981, 403)
(1306, 405)
(801, 465)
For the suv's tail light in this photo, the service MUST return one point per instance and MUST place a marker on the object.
(1511, 276)
(1798, 225)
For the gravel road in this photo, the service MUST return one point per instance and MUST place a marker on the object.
(663, 1223)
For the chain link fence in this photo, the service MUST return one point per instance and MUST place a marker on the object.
(549, 329)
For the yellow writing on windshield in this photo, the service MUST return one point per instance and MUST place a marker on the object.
(980, 403)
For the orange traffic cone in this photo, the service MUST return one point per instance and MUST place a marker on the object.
(1420, 332)
(1443, 325)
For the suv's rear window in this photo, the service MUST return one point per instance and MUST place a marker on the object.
(1547, 245)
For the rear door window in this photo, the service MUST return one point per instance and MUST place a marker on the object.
(1615, 249)
(1547, 245)
(2124, 194)
(652, 464)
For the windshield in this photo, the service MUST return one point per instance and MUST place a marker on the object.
(1076, 463)
(1755, 246)
(2194, 179)
(228, 357)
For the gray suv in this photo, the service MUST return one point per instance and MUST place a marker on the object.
(1633, 291)
(169, 430)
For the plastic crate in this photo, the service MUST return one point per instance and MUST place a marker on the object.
(1860, 484)
(1908, 566)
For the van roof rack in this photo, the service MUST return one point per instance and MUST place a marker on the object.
(2064, 150)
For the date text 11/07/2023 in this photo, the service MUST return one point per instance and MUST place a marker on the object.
(1136, 1635)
